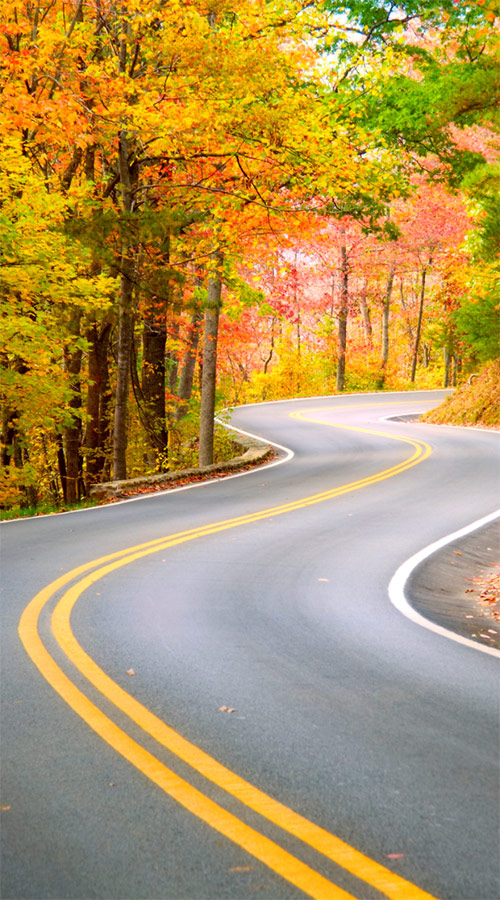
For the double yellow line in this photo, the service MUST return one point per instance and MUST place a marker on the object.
(258, 845)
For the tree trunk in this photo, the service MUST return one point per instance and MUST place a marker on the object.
(128, 178)
(189, 363)
(271, 347)
(385, 318)
(61, 464)
(125, 335)
(342, 316)
(447, 367)
(207, 410)
(97, 427)
(154, 340)
(172, 356)
(365, 315)
(419, 326)
(409, 329)
(73, 432)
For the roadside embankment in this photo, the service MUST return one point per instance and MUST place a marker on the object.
(255, 452)
(458, 587)
(475, 403)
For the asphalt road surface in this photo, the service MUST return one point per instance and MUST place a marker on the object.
(235, 709)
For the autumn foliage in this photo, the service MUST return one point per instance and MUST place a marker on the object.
(205, 203)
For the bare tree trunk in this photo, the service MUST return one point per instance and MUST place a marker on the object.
(73, 432)
(447, 367)
(173, 359)
(154, 338)
(419, 326)
(365, 315)
(271, 348)
(98, 386)
(189, 363)
(207, 410)
(385, 318)
(342, 316)
(125, 334)
(128, 178)
(61, 464)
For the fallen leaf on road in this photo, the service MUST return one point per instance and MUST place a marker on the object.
(457, 553)
(227, 709)
(5, 808)
(130, 672)
(241, 869)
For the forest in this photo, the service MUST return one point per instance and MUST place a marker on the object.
(205, 203)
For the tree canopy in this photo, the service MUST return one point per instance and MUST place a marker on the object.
(289, 195)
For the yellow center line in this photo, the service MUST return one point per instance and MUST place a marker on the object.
(296, 872)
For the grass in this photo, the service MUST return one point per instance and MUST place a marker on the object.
(43, 509)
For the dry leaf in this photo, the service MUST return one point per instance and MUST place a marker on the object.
(227, 709)
(241, 869)
(130, 672)
(5, 808)
(457, 553)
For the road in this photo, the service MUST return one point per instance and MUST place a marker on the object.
(235, 708)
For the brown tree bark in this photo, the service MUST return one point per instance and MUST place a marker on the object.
(366, 317)
(208, 381)
(73, 432)
(172, 357)
(128, 179)
(97, 428)
(419, 325)
(154, 339)
(189, 363)
(342, 316)
(385, 319)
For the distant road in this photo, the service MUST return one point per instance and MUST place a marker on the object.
(233, 708)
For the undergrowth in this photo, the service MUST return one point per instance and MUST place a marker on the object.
(475, 403)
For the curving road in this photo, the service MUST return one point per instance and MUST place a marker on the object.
(235, 708)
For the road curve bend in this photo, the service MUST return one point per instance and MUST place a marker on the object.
(206, 693)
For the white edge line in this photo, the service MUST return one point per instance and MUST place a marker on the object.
(398, 582)
(216, 478)
(289, 454)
